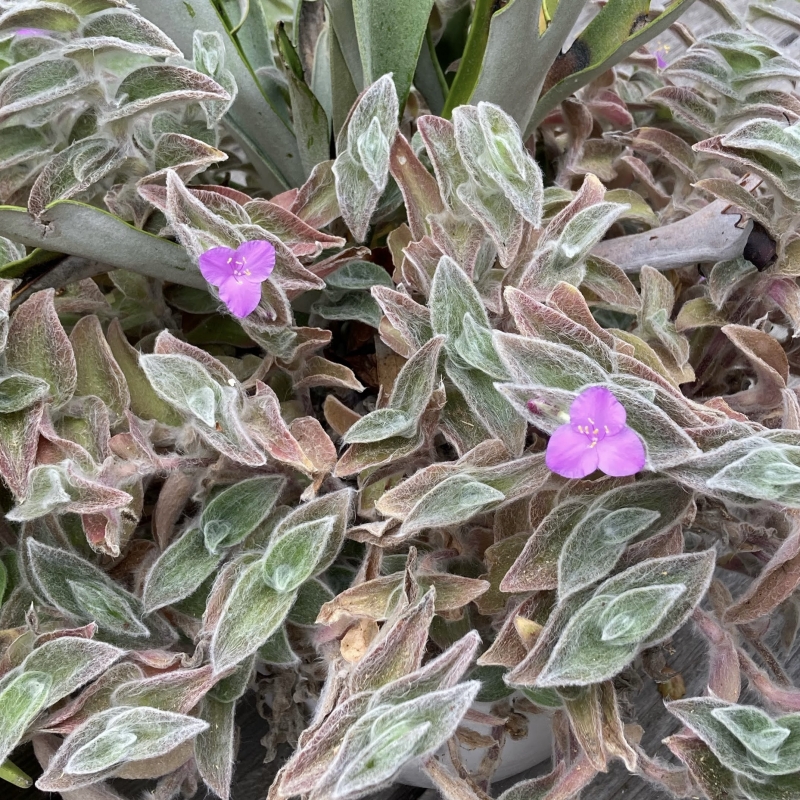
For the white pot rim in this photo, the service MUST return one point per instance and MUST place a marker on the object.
(516, 756)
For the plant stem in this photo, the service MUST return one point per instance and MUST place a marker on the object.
(14, 775)
(469, 69)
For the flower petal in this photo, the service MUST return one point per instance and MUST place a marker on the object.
(241, 298)
(570, 454)
(260, 256)
(621, 454)
(600, 406)
(216, 264)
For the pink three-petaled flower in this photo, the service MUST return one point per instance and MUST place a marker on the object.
(596, 437)
(239, 273)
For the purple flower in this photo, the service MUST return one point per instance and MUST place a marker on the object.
(596, 436)
(239, 273)
(31, 32)
(661, 53)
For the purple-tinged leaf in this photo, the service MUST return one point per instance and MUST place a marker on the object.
(397, 650)
(112, 739)
(39, 346)
(19, 436)
(419, 188)
(97, 372)
(148, 87)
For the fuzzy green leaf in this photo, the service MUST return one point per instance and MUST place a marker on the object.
(21, 391)
(636, 609)
(292, 558)
(111, 738)
(82, 591)
(21, 699)
(455, 500)
(743, 738)
(179, 570)
(251, 614)
(238, 510)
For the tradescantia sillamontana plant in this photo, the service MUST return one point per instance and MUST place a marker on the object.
(350, 495)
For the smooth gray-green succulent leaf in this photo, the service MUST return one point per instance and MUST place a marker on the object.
(515, 46)
(260, 126)
(390, 38)
(311, 124)
(342, 19)
(292, 558)
(238, 510)
(609, 40)
(81, 230)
